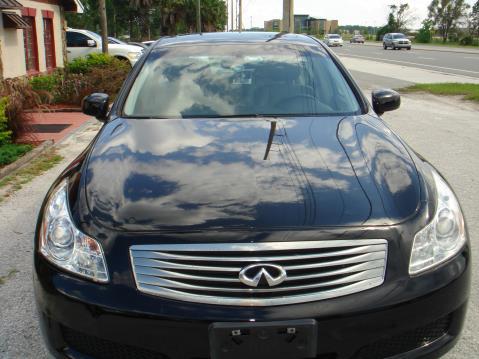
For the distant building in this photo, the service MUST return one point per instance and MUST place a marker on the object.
(275, 25)
(301, 23)
(305, 24)
(311, 25)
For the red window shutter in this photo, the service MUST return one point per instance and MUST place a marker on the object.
(49, 41)
(30, 45)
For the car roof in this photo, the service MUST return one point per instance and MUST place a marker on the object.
(246, 37)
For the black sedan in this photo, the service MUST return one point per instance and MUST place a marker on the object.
(244, 200)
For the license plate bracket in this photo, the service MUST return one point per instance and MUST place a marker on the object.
(293, 339)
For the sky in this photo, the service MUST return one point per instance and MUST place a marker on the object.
(348, 12)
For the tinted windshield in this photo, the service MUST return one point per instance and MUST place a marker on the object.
(239, 80)
(334, 36)
(94, 35)
(114, 40)
(399, 36)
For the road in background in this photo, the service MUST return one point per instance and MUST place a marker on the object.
(448, 62)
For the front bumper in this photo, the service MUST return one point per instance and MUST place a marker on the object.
(405, 46)
(422, 317)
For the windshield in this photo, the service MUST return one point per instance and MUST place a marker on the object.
(114, 40)
(228, 80)
(399, 36)
(334, 36)
(94, 35)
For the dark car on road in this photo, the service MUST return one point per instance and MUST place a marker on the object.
(357, 39)
(243, 199)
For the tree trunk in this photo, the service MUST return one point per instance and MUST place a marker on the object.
(103, 26)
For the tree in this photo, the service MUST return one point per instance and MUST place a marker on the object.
(402, 17)
(446, 15)
(425, 33)
(141, 19)
(144, 8)
(474, 19)
(103, 26)
(399, 18)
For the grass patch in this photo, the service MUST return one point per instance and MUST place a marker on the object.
(469, 91)
(16, 180)
(11, 152)
(10, 274)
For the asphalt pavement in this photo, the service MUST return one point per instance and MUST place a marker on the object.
(465, 64)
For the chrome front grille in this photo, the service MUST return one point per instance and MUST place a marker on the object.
(209, 273)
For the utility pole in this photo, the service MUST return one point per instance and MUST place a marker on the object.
(198, 17)
(240, 19)
(237, 15)
(288, 15)
(232, 16)
(103, 26)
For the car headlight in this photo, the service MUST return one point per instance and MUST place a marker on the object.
(64, 245)
(134, 55)
(444, 236)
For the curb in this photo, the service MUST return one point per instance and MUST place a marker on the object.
(22, 161)
(460, 51)
(54, 110)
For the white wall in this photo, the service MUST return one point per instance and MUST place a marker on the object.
(13, 53)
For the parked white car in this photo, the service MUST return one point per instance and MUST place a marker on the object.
(333, 40)
(83, 42)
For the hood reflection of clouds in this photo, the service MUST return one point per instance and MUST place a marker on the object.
(194, 172)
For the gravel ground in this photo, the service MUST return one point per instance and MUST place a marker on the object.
(19, 333)
(444, 130)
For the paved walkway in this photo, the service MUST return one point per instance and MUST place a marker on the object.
(54, 125)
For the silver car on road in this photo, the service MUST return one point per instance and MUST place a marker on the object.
(396, 41)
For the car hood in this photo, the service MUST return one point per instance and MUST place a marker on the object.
(125, 47)
(170, 174)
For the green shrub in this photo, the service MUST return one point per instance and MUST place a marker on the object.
(425, 33)
(5, 133)
(93, 73)
(74, 87)
(45, 82)
(20, 97)
(85, 64)
(11, 152)
(467, 40)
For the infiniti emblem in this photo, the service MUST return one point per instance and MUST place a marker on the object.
(255, 274)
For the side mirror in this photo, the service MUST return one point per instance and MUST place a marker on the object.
(91, 43)
(96, 105)
(385, 100)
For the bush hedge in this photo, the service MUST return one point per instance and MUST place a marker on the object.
(82, 76)
(93, 73)
(85, 64)
(5, 132)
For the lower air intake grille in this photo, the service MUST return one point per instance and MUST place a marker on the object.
(105, 349)
(406, 341)
(259, 274)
